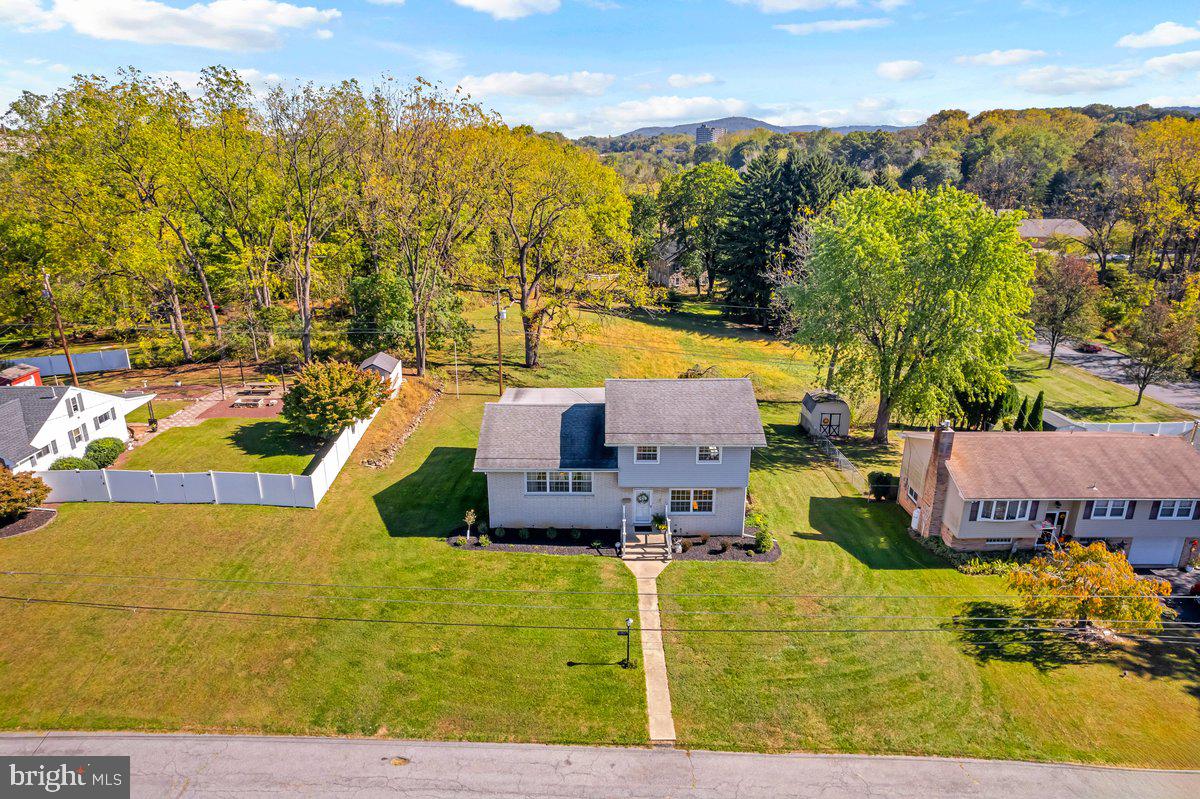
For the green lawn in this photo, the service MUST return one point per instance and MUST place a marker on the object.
(162, 409)
(225, 445)
(1082, 395)
(947, 692)
(994, 694)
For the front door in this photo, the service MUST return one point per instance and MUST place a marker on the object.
(1055, 523)
(643, 506)
(831, 424)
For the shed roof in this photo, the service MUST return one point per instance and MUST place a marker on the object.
(1073, 465)
(381, 361)
(814, 398)
(683, 412)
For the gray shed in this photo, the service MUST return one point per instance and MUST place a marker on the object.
(824, 413)
(387, 367)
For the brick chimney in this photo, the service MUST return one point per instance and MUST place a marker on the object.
(937, 478)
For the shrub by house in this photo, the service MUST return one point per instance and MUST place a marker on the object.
(329, 396)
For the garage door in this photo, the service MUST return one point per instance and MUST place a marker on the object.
(1155, 551)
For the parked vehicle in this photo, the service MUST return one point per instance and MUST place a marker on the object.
(1088, 347)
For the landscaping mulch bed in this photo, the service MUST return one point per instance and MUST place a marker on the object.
(35, 519)
(741, 549)
(538, 544)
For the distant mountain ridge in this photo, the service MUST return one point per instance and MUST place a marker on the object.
(736, 124)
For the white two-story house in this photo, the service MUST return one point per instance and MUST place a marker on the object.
(40, 424)
(595, 458)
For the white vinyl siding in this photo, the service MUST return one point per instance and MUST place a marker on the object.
(646, 455)
(1175, 509)
(691, 500)
(558, 482)
(1004, 510)
(708, 454)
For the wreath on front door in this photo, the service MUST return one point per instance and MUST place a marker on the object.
(643, 498)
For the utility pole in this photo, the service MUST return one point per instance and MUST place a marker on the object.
(221, 379)
(499, 343)
(62, 336)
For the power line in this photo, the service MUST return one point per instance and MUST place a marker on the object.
(563, 627)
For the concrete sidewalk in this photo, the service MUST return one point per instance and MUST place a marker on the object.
(654, 659)
(219, 765)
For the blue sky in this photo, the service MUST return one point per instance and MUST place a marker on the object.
(607, 66)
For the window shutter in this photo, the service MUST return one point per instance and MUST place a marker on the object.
(1196, 510)
(1033, 509)
(1154, 507)
(1087, 509)
(1130, 508)
(974, 511)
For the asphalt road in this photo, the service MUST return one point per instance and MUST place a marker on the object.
(1108, 364)
(219, 765)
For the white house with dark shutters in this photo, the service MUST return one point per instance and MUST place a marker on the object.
(601, 458)
(1021, 490)
(40, 424)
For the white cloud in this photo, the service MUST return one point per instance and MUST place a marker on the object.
(218, 24)
(511, 9)
(680, 81)
(538, 84)
(1176, 62)
(1169, 101)
(431, 58)
(833, 25)
(1073, 80)
(866, 111)
(890, 5)
(901, 70)
(669, 109)
(783, 6)
(189, 80)
(1164, 34)
(386, 2)
(1001, 58)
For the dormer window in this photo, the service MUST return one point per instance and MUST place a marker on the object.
(709, 454)
(646, 455)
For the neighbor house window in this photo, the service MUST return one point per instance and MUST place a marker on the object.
(691, 500)
(1004, 510)
(74, 404)
(646, 455)
(1176, 509)
(105, 417)
(708, 454)
(558, 482)
(79, 434)
(49, 449)
(1109, 509)
(913, 497)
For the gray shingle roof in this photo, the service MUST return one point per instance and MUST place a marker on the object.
(382, 361)
(1045, 228)
(23, 411)
(814, 398)
(717, 411)
(516, 435)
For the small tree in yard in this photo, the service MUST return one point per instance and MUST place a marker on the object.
(1065, 289)
(1160, 344)
(329, 396)
(1079, 585)
(1034, 420)
(19, 493)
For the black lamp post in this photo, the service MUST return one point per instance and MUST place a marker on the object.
(626, 663)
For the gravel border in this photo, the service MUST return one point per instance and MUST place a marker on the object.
(31, 522)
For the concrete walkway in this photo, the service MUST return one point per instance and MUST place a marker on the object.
(1108, 364)
(220, 765)
(654, 660)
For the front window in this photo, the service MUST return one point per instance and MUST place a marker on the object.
(1176, 509)
(105, 417)
(78, 435)
(691, 500)
(646, 455)
(1110, 509)
(1004, 510)
(708, 454)
(558, 482)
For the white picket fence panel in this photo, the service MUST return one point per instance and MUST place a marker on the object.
(210, 488)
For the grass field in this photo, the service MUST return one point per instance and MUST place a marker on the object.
(225, 445)
(951, 691)
(1082, 395)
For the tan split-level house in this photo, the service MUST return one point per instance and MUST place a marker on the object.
(1020, 490)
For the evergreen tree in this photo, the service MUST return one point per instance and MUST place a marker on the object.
(1034, 420)
(1022, 414)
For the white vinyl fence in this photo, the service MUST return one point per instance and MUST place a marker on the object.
(1059, 421)
(97, 361)
(210, 488)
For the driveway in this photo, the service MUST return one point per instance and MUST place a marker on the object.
(218, 765)
(1107, 364)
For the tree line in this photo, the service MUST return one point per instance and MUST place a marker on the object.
(169, 216)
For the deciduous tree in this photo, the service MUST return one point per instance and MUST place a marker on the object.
(1065, 290)
(329, 396)
(1160, 344)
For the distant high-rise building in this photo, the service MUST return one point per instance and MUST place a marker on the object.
(709, 135)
